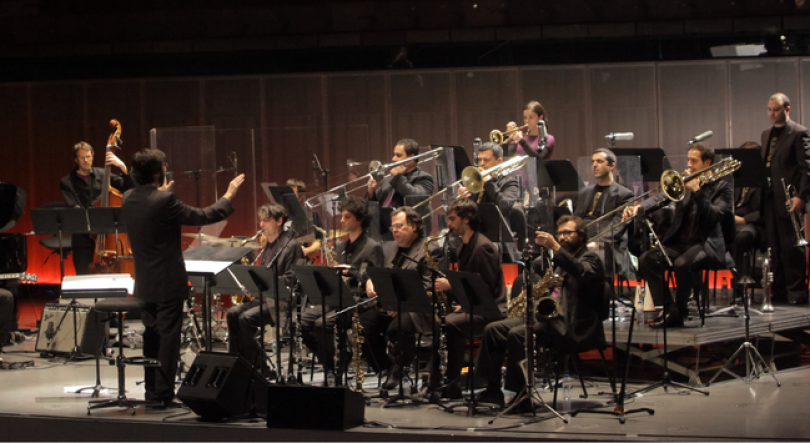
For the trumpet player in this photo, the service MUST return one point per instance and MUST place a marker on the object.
(693, 240)
(577, 321)
(533, 112)
(786, 151)
(404, 180)
(280, 247)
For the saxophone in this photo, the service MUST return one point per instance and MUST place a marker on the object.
(357, 343)
(328, 251)
(544, 305)
(444, 304)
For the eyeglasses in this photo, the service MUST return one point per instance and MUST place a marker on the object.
(565, 233)
(398, 226)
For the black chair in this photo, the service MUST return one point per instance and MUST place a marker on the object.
(52, 242)
(120, 306)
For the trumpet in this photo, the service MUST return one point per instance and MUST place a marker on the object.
(796, 219)
(376, 170)
(498, 137)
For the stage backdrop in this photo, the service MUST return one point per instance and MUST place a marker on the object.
(279, 121)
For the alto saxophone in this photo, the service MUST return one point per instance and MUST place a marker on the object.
(357, 362)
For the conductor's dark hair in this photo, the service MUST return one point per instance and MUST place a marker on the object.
(706, 152)
(146, 164)
(412, 218)
(358, 207)
(274, 211)
(466, 209)
(410, 146)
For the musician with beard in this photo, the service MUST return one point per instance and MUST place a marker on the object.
(577, 322)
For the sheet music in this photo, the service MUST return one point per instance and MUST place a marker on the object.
(206, 267)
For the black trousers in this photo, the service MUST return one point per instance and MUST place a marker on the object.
(244, 322)
(457, 332)
(320, 339)
(161, 341)
(83, 251)
(379, 329)
(687, 262)
(788, 261)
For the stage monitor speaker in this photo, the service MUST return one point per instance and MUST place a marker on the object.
(220, 386)
(56, 329)
(305, 407)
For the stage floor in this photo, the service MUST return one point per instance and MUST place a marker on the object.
(36, 405)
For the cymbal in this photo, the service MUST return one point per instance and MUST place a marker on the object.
(208, 238)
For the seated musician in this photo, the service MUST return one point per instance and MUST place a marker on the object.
(476, 254)
(358, 252)
(82, 188)
(577, 322)
(245, 320)
(6, 311)
(746, 224)
(600, 198)
(404, 180)
(693, 240)
(504, 191)
(299, 188)
(379, 328)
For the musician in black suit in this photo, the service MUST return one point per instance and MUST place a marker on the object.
(786, 151)
(693, 240)
(579, 296)
(357, 253)
(476, 254)
(281, 249)
(154, 217)
(404, 180)
(380, 328)
(600, 198)
(82, 189)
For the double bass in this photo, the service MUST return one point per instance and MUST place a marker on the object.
(113, 251)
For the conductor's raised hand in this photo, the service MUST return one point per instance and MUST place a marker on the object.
(233, 187)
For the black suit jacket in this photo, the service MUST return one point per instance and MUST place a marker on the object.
(77, 192)
(504, 192)
(581, 294)
(367, 252)
(153, 220)
(417, 182)
(747, 203)
(415, 252)
(617, 195)
(791, 161)
(713, 200)
(484, 259)
(287, 253)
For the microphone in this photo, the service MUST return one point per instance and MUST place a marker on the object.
(543, 132)
(476, 148)
(316, 164)
(613, 136)
(701, 137)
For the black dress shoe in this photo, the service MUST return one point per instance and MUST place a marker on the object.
(490, 397)
(394, 377)
(668, 321)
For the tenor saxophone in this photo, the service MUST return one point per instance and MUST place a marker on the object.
(544, 305)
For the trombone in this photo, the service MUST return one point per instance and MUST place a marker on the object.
(473, 179)
(377, 170)
(795, 219)
(673, 185)
(498, 137)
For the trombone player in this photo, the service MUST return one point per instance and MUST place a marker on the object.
(786, 151)
(693, 240)
(405, 180)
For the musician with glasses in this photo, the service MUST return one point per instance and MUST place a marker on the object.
(693, 240)
(82, 188)
(786, 151)
(404, 180)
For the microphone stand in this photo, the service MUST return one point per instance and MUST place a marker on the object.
(316, 165)
(274, 264)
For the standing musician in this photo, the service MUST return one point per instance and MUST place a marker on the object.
(747, 205)
(600, 198)
(533, 112)
(577, 322)
(82, 188)
(476, 254)
(281, 248)
(405, 180)
(358, 252)
(380, 327)
(693, 240)
(154, 217)
(786, 151)
(299, 188)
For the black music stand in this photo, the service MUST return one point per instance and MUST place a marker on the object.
(473, 295)
(324, 284)
(400, 290)
(752, 172)
(206, 262)
(460, 158)
(653, 161)
(58, 222)
(558, 174)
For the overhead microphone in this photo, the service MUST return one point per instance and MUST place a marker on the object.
(614, 136)
(476, 148)
(701, 137)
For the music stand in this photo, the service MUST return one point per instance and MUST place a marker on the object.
(58, 222)
(460, 157)
(752, 172)
(653, 161)
(323, 284)
(560, 175)
(206, 262)
(400, 290)
(107, 221)
(472, 294)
